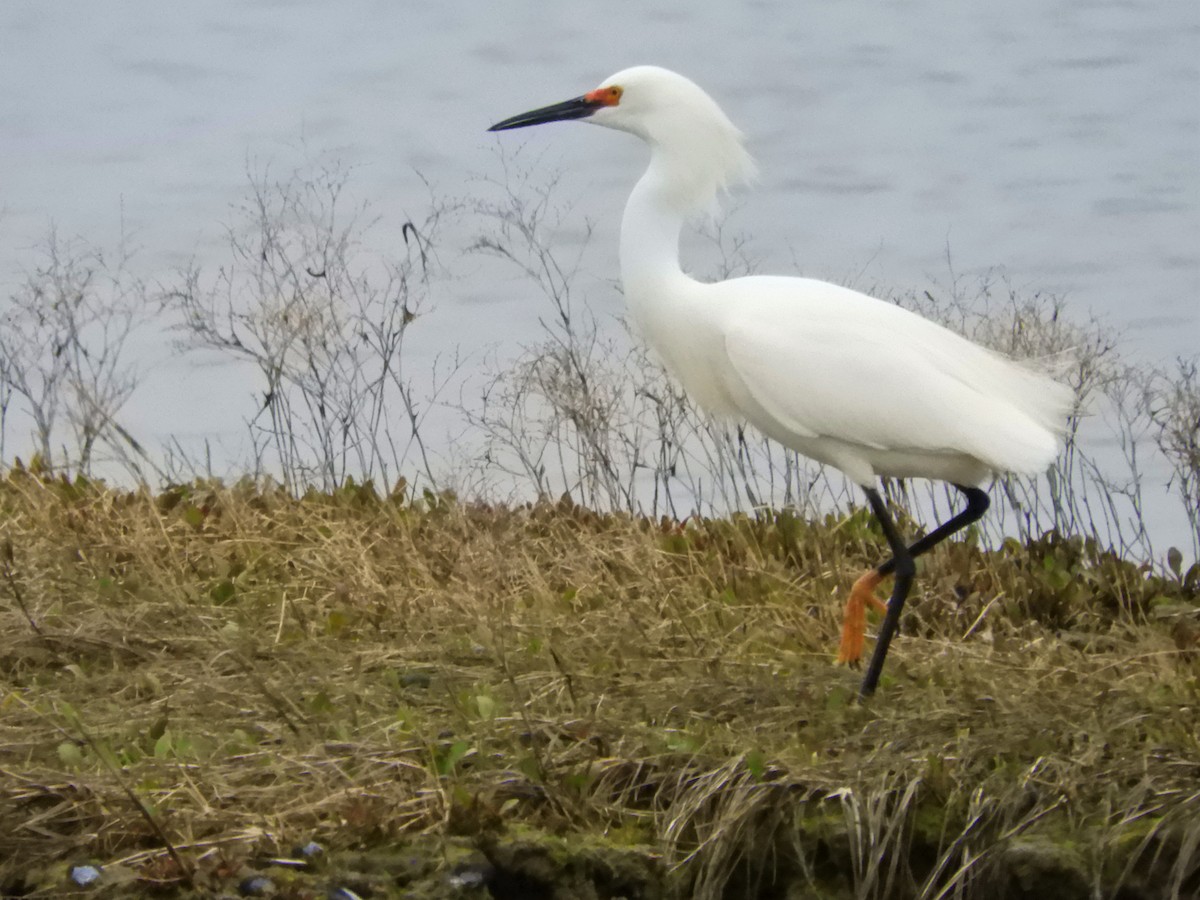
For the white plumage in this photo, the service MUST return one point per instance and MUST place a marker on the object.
(854, 382)
(844, 378)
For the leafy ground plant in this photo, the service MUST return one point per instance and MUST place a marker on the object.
(456, 700)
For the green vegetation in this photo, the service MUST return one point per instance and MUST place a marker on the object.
(197, 681)
(566, 700)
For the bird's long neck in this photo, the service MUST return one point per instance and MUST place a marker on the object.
(650, 228)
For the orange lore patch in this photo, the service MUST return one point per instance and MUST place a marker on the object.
(605, 96)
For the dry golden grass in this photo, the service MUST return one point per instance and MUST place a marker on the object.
(201, 678)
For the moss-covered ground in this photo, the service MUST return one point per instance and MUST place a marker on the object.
(223, 690)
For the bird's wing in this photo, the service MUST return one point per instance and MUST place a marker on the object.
(840, 377)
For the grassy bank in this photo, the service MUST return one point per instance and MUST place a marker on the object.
(546, 702)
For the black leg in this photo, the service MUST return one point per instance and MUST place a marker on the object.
(977, 504)
(904, 567)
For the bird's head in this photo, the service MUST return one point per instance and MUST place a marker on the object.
(668, 111)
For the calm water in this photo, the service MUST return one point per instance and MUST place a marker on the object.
(1059, 141)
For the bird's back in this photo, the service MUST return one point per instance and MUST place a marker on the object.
(860, 383)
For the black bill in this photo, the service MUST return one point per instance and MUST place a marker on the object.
(578, 108)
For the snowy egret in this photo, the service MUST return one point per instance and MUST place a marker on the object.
(841, 377)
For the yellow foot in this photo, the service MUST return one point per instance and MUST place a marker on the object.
(854, 625)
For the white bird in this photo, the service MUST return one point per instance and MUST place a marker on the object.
(841, 377)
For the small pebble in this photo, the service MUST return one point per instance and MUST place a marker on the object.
(256, 886)
(309, 854)
(84, 875)
(469, 875)
(415, 679)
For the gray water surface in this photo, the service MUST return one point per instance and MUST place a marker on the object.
(1056, 140)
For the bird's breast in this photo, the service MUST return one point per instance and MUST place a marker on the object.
(686, 335)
